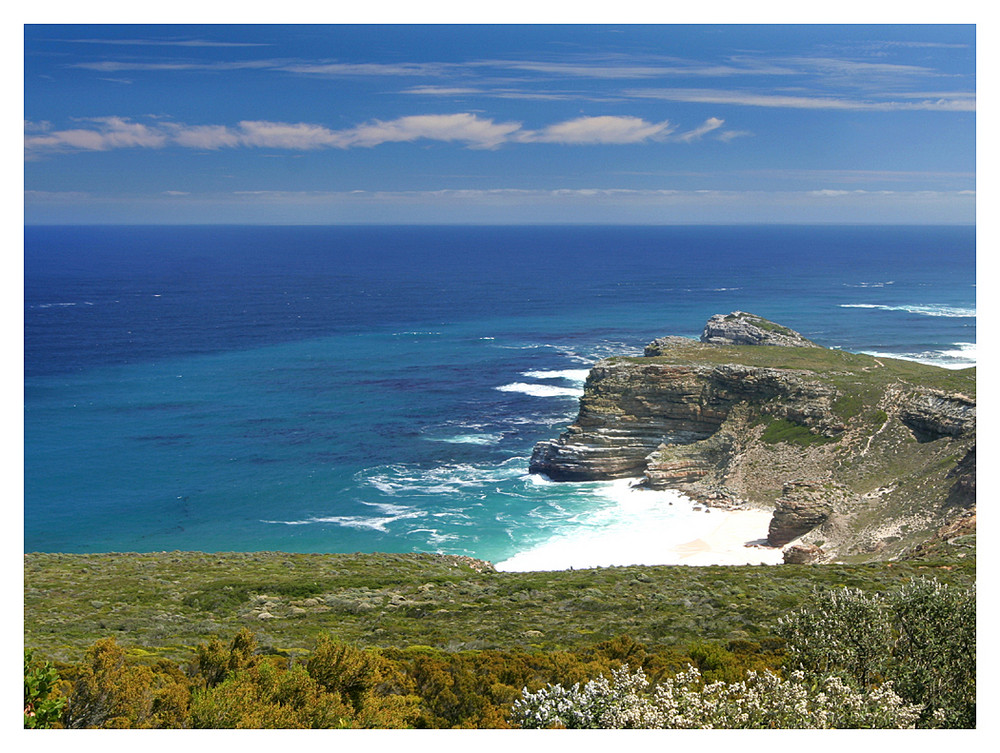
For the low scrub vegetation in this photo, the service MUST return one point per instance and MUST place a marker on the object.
(845, 658)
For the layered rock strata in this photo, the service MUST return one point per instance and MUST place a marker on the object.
(860, 456)
(629, 409)
(802, 507)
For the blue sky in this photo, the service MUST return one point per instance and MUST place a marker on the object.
(499, 124)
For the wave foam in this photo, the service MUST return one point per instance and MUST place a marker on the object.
(541, 390)
(380, 523)
(451, 479)
(573, 375)
(931, 309)
(962, 356)
(59, 305)
(480, 439)
(644, 527)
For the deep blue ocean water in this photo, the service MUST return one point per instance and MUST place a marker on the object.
(340, 389)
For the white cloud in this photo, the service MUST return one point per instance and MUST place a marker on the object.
(203, 137)
(959, 102)
(727, 136)
(110, 133)
(707, 127)
(263, 133)
(602, 129)
(166, 42)
(365, 69)
(469, 129)
(481, 133)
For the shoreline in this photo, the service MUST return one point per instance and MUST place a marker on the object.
(722, 537)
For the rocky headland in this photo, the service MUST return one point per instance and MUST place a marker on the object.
(860, 458)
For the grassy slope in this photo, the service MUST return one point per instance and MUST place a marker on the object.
(851, 371)
(162, 604)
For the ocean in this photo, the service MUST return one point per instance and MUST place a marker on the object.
(343, 389)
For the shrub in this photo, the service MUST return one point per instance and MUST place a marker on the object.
(215, 660)
(760, 701)
(266, 697)
(921, 636)
(42, 706)
(111, 692)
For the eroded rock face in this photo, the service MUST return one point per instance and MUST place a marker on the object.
(802, 507)
(629, 409)
(801, 554)
(932, 414)
(742, 328)
(963, 492)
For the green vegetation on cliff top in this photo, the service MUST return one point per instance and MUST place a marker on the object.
(837, 366)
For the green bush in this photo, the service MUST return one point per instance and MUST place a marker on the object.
(782, 430)
(42, 705)
(921, 637)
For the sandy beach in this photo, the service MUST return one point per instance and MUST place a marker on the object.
(652, 528)
(726, 544)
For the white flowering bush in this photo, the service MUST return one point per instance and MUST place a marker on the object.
(922, 637)
(763, 700)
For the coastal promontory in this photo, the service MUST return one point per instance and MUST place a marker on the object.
(859, 457)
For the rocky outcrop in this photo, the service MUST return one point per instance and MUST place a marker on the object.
(742, 328)
(963, 491)
(932, 414)
(802, 507)
(662, 345)
(630, 408)
(801, 554)
(853, 453)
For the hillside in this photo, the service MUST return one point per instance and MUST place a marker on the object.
(163, 604)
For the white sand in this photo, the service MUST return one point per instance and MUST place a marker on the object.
(651, 528)
(727, 543)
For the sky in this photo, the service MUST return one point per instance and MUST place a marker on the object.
(497, 124)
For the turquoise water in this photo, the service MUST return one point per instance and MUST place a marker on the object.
(380, 389)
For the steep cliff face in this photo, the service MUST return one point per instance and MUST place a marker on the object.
(630, 408)
(859, 457)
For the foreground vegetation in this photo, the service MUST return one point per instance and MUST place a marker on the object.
(160, 605)
(908, 661)
(412, 640)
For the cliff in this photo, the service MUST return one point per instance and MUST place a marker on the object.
(862, 457)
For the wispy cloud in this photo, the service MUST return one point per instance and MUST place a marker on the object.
(828, 65)
(114, 66)
(956, 103)
(468, 129)
(164, 42)
(106, 133)
(707, 127)
(605, 129)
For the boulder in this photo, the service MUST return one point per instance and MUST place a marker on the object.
(742, 328)
(802, 507)
(802, 554)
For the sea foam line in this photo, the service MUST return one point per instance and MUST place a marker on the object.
(962, 356)
(541, 390)
(573, 375)
(931, 309)
(631, 526)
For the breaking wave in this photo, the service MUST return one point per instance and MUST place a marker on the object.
(932, 309)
